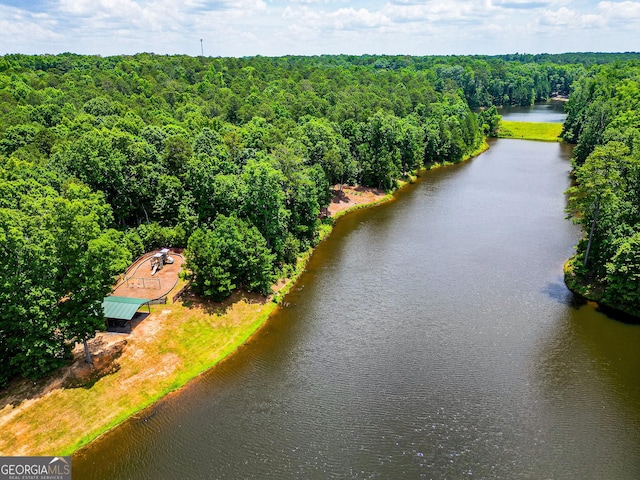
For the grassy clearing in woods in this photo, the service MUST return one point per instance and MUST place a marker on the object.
(548, 132)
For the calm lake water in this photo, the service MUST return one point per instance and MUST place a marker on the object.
(552, 111)
(432, 337)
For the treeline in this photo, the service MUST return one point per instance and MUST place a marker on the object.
(604, 120)
(102, 159)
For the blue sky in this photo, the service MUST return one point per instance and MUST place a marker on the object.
(309, 27)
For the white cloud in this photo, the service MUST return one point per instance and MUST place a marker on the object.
(15, 23)
(453, 12)
(521, 4)
(250, 37)
(620, 11)
(279, 27)
(341, 19)
(559, 18)
(607, 16)
(350, 18)
(156, 14)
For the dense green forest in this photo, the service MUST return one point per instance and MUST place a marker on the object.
(603, 119)
(102, 159)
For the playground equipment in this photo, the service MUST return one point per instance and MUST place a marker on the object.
(158, 260)
(141, 282)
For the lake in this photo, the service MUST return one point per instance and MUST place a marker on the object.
(431, 337)
(550, 112)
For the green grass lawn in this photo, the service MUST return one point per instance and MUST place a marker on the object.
(548, 132)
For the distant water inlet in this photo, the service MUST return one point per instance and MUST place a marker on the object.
(550, 112)
(431, 337)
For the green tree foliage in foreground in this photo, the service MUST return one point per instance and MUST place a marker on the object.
(60, 260)
(604, 120)
(231, 253)
(102, 159)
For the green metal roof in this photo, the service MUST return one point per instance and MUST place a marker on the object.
(122, 308)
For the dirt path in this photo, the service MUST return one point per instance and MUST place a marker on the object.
(105, 347)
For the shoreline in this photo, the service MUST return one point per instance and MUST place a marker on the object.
(593, 293)
(24, 432)
(131, 384)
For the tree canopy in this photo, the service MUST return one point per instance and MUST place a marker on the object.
(102, 159)
(604, 121)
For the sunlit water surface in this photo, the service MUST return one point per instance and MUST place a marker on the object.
(432, 337)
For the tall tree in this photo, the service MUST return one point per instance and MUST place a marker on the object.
(231, 253)
(265, 202)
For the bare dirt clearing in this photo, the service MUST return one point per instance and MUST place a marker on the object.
(351, 196)
(139, 283)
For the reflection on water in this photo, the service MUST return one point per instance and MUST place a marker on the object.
(431, 337)
(557, 290)
(587, 367)
(551, 112)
